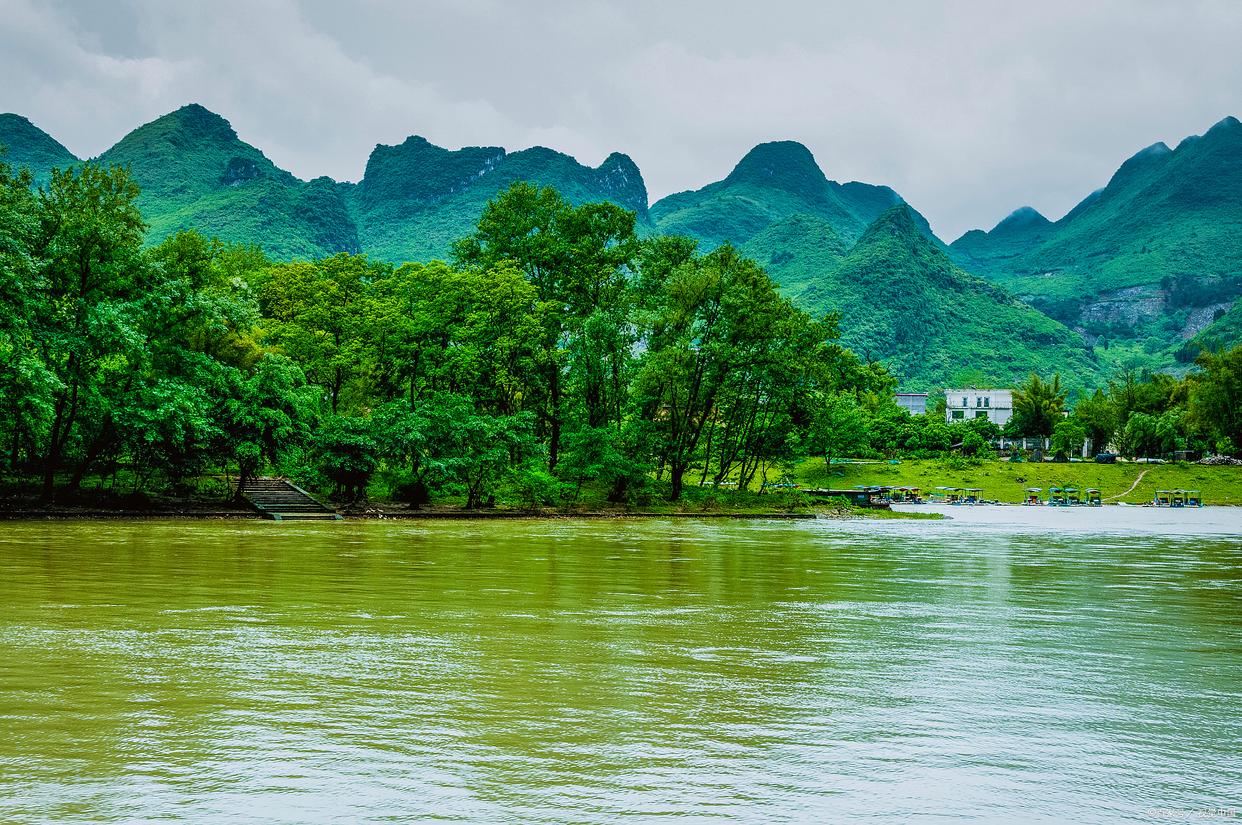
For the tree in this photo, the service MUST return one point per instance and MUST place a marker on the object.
(1215, 402)
(718, 333)
(349, 452)
(1139, 436)
(90, 275)
(579, 261)
(1038, 406)
(1098, 418)
(839, 428)
(319, 315)
(1068, 437)
(1170, 433)
(267, 415)
(26, 385)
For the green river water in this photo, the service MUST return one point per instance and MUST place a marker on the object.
(989, 669)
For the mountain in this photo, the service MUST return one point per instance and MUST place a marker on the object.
(414, 200)
(1019, 231)
(417, 198)
(772, 182)
(1152, 256)
(195, 173)
(904, 302)
(798, 252)
(1224, 331)
(30, 147)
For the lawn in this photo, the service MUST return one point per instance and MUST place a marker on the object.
(1007, 482)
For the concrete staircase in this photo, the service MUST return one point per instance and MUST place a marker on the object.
(277, 499)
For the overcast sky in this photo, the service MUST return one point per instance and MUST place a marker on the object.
(968, 109)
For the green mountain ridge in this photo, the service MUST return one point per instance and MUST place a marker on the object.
(413, 202)
(29, 146)
(904, 302)
(195, 173)
(1147, 257)
(415, 199)
(1222, 333)
(772, 182)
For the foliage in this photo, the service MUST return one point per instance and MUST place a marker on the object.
(1038, 406)
(1068, 437)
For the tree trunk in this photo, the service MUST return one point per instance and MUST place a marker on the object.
(675, 473)
(98, 445)
(554, 425)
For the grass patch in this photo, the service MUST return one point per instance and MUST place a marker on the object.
(1007, 482)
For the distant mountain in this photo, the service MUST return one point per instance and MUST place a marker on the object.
(195, 173)
(904, 302)
(416, 199)
(772, 182)
(29, 146)
(413, 202)
(984, 251)
(1153, 255)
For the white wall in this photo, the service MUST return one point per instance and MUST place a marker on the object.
(995, 404)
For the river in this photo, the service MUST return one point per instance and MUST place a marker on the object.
(1003, 666)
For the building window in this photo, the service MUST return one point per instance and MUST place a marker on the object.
(981, 414)
(987, 401)
(958, 414)
(964, 401)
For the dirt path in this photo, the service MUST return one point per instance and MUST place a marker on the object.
(1132, 486)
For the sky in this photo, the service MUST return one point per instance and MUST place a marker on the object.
(969, 109)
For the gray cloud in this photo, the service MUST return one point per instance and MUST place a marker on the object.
(968, 109)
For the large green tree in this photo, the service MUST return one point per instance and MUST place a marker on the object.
(579, 260)
(1038, 406)
(90, 279)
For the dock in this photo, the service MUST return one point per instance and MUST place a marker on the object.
(858, 496)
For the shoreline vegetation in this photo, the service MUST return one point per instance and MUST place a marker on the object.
(559, 364)
(1002, 481)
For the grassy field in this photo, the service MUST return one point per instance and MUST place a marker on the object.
(1007, 482)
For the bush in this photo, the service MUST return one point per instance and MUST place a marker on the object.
(536, 487)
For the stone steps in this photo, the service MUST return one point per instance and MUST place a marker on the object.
(280, 500)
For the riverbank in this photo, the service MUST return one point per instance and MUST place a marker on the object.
(1007, 482)
(697, 503)
(85, 513)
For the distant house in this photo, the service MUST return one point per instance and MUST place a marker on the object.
(994, 405)
(914, 403)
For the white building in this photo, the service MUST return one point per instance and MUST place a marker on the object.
(994, 405)
(914, 403)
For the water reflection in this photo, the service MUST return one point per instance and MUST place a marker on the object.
(570, 671)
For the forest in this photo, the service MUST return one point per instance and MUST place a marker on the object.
(556, 355)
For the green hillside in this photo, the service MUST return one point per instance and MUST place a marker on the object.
(772, 182)
(1154, 255)
(195, 173)
(797, 252)
(1224, 332)
(904, 302)
(29, 147)
(416, 199)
